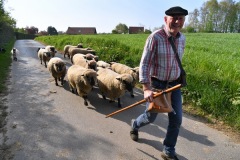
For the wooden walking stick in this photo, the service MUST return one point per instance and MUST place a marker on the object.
(142, 101)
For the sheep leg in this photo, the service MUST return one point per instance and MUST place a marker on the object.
(119, 103)
(64, 54)
(103, 96)
(132, 95)
(71, 88)
(85, 100)
(45, 64)
(56, 83)
(62, 80)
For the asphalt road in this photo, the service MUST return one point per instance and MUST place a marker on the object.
(48, 122)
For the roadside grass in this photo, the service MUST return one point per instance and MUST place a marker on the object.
(5, 62)
(211, 60)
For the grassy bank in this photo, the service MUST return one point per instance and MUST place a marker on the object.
(5, 62)
(212, 63)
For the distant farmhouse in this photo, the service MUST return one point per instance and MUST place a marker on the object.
(135, 30)
(81, 30)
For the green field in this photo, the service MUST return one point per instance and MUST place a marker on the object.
(212, 63)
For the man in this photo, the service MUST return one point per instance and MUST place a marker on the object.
(159, 69)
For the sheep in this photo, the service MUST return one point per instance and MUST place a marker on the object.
(57, 68)
(66, 48)
(82, 80)
(103, 64)
(90, 56)
(51, 49)
(112, 84)
(73, 51)
(14, 53)
(44, 55)
(121, 69)
(78, 59)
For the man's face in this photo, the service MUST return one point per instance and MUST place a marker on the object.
(174, 23)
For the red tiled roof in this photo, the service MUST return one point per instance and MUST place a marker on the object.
(81, 30)
(135, 30)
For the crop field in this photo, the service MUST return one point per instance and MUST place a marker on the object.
(211, 60)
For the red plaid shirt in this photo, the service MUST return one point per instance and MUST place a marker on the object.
(158, 58)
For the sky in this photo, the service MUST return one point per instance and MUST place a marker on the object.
(105, 15)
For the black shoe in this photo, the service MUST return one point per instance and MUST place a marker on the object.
(168, 157)
(134, 135)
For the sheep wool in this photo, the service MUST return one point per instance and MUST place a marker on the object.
(44, 55)
(78, 59)
(51, 49)
(82, 80)
(73, 51)
(103, 64)
(66, 49)
(121, 69)
(57, 68)
(112, 84)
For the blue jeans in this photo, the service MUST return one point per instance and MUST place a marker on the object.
(175, 119)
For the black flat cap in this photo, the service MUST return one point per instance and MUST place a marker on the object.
(176, 11)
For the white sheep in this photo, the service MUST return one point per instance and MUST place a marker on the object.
(121, 69)
(82, 80)
(103, 64)
(57, 67)
(73, 51)
(44, 55)
(66, 48)
(14, 53)
(112, 84)
(78, 59)
(51, 49)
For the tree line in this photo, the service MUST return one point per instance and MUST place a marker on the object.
(214, 16)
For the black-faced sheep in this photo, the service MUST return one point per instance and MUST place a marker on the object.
(90, 56)
(78, 59)
(44, 55)
(14, 53)
(57, 68)
(51, 49)
(66, 48)
(73, 51)
(82, 80)
(112, 84)
(121, 69)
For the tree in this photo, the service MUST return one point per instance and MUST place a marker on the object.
(52, 31)
(120, 29)
(31, 30)
(5, 18)
(193, 22)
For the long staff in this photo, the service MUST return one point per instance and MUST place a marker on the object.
(144, 100)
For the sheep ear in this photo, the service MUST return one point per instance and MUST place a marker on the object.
(119, 78)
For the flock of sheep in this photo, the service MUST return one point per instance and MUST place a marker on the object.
(113, 79)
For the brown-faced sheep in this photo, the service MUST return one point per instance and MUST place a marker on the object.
(57, 68)
(78, 59)
(112, 84)
(121, 69)
(82, 80)
(66, 48)
(73, 51)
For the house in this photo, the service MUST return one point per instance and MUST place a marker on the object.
(81, 30)
(136, 30)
